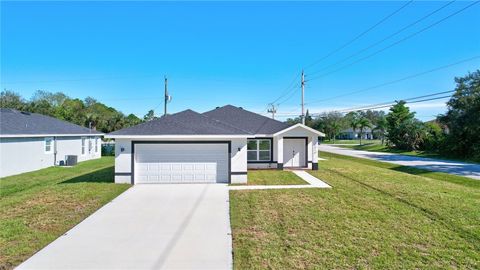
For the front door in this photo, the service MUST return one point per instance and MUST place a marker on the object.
(294, 153)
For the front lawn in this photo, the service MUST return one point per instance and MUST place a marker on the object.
(37, 207)
(377, 215)
(378, 147)
(273, 177)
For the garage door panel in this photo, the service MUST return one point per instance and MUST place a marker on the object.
(181, 163)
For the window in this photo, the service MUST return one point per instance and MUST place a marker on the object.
(259, 150)
(89, 145)
(48, 145)
(96, 145)
(83, 146)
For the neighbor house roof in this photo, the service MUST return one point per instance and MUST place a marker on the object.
(186, 122)
(252, 122)
(15, 123)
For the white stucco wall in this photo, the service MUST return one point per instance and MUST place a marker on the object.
(312, 144)
(238, 158)
(20, 155)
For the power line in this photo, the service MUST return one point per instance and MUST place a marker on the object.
(396, 81)
(292, 89)
(395, 43)
(367, 107)
(407, 99)
(407, 102)
(359, 36)
(386, 38)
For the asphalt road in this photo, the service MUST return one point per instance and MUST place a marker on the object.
(438, 165)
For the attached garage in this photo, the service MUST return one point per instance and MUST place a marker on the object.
(181, 162)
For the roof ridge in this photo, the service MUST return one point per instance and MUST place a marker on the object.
(227, 124)
(207, 118)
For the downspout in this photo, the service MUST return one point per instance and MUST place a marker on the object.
(54, 151)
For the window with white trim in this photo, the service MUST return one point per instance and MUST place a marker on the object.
(48, 145)
(83, 145)
(259, 149)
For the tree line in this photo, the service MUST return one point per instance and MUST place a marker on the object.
(88, 112)
(455, 133)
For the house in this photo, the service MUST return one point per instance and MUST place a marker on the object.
(349, 134)
(215, 146)
(31, 141)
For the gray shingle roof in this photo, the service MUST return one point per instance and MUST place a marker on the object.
(13, 122)
(186, 122)
(252, 122)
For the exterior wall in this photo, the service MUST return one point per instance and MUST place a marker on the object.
(350, 135)
(238, 159)
(312, 146)
(20, 155)
(73, 146)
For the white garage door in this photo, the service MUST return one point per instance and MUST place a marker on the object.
(181, 163)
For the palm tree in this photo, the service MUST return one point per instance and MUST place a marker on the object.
(381, 128)
(353, 121)
(362, 124)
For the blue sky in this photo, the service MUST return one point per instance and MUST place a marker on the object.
(240, 53)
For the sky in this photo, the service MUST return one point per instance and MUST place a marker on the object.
(241, 53)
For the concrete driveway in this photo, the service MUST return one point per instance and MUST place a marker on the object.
(437, 165)
(182, 226)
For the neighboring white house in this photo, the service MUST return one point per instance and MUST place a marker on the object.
(349, 134)
(30, 141)
(218, 146)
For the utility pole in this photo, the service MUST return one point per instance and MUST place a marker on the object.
(272, 110)
(303, 97)
(167, 98)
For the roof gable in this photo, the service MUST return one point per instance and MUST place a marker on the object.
(249, 121)
(14, 122)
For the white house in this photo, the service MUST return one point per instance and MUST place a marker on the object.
(216, 146)
(30, 141)
(349, 134)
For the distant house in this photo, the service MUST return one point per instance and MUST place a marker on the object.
(349, 134)
(30, 141)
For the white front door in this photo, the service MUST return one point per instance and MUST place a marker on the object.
(294, 153)
(181, 163)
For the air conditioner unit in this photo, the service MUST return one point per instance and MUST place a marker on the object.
(71, 160)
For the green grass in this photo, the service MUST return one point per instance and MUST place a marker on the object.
(377, 147)
(37, 207)
(353, 142)
(376, 216)
(273, 177)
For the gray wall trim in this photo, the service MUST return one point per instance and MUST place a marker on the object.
(238, 173)
(123, 174)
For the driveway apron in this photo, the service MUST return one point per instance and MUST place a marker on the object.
(167, 226)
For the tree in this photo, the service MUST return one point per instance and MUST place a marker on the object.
(149, 116)
(308, 119)
(12, 100)
(363, 123)
(330, 123)
(403, 130)
(293, 121)
(462, 118)
(132, 120)
(353, 121)
(381, 128)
